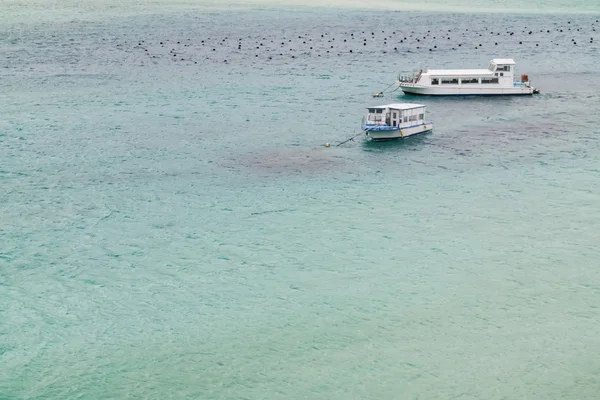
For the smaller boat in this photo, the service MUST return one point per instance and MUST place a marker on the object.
(395, 121)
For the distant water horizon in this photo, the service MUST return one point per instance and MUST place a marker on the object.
(20, 11)
(462, 6)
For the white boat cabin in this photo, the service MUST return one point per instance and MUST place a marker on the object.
(401, 115)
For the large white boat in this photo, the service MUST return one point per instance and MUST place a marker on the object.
(395, 121)
(497, 79)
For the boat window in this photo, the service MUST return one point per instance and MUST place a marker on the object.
(420, 116)
(449, 81)
(435, 81)
(405, 118)
(489, 80)
(469, 80)
(491, 67)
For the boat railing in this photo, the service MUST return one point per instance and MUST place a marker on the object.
(524, 81)
(410, 78)
(375, 118)
(371, 121)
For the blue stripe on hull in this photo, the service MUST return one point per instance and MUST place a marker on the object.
(400, 137)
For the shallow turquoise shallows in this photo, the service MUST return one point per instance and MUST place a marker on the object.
(172, 225)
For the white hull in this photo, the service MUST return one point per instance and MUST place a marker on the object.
(391, 134)
(465, 90)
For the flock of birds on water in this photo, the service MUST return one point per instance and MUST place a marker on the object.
(269, 47)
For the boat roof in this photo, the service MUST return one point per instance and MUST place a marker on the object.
(400, 106)
(459, 72)
(503, 61)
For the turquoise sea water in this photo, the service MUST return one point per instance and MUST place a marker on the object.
(173, 227)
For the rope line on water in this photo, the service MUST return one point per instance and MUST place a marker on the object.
(380, 94)
(347, 140)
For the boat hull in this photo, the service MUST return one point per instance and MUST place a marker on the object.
(382, 133)
(466, 91)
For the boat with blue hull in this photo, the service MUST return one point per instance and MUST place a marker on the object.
(395, 121)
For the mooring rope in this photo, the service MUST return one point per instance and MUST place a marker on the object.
(381, 93)
(347, 140)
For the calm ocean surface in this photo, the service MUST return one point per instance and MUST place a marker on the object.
(172, 226)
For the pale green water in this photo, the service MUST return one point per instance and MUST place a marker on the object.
(177, 230)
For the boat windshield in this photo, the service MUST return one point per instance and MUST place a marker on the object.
(375, 114)
(491, 67)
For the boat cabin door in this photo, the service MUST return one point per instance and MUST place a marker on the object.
(394, 118)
